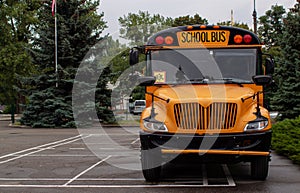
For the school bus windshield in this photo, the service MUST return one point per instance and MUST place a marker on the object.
(179, 66)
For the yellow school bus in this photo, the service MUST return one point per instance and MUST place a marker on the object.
(204, 98)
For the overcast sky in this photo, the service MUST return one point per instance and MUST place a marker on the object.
(213, 10)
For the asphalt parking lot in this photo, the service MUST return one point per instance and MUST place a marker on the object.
(69, 160)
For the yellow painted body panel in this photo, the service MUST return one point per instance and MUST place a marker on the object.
(210, 98)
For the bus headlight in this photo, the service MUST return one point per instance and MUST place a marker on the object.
(154, 125)
(256, 125)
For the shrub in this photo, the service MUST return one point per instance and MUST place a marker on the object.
(286, 138)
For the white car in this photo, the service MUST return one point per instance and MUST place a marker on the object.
(139, 106)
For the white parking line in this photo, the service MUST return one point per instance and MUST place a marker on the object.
(76, 148)
(79, 179)
(228, 175)
(68, 185)
(113, 186)
(38, 147)
(41, 149)
(88, 169)
(204, 175)
(136, 140)
(61, 155)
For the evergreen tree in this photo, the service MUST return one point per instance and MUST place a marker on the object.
(271, 28)
(270, 32)
(78, 28)
(287, 97)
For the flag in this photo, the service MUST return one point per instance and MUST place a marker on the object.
(53, 7)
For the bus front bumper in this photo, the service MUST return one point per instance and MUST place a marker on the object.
(243, 144)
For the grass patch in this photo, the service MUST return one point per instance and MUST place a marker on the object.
(286, 138)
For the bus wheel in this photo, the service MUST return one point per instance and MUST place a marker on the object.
(260, 168)
(151, 164)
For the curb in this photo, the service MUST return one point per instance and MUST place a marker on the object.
(17, 126)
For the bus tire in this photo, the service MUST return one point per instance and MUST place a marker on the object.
(151, 164)
(260, 168)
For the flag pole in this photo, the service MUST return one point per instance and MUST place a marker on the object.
(55, 31)
(254, 14)
(231, 18)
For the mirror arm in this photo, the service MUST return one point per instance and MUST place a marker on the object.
(270, 55)
(141, 49)
(258, 113)
(166, 100)
(152, 113)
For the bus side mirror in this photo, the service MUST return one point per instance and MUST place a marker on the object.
(146, 80)
(262, 80)
(133, 57)
(269, 64)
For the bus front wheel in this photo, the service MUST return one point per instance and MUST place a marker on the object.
(260, 168)
(151, 164)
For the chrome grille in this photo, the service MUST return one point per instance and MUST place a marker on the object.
(196, 117)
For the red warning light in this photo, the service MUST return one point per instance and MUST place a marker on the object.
(159, 40)
(247, 38)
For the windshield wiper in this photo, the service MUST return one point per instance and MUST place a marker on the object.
(198, 80)
(224, 80)
(230, 81)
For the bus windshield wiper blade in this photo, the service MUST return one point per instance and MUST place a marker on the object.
(198, 80)
(230, 81)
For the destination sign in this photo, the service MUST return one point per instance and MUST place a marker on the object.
(203, 38)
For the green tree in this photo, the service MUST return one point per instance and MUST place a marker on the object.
(120, 64)
(189, 20)
(17, 19)
(117, 59)
(287, 96)
(137, 28)
(79, 27)
(235, 24)
(271, 26)
(270, 32)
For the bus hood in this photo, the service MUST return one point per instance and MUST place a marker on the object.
(193, 93)
(217, 108)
